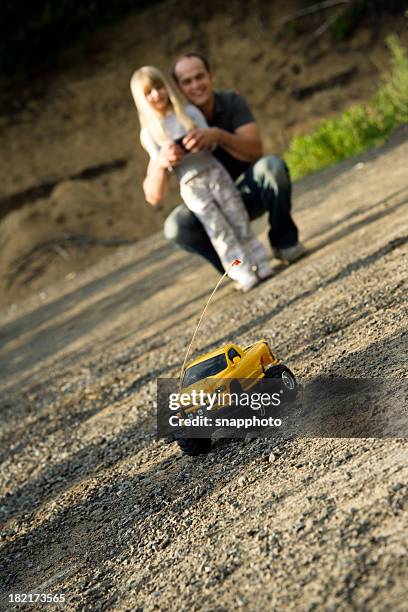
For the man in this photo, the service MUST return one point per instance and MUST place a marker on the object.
(263, 182)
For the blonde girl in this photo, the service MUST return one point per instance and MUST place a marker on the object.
(205, 186)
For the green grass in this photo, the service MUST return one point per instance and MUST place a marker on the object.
(359, 128)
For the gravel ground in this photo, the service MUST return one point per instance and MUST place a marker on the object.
(94, 507)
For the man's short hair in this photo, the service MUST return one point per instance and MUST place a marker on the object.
(200, 56)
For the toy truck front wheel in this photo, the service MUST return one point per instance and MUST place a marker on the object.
(289, 384)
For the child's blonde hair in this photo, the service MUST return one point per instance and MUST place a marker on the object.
(149, 77)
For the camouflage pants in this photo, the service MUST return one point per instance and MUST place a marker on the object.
(213, 197)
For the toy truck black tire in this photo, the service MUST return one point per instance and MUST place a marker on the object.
(290, 386)
(194, 446)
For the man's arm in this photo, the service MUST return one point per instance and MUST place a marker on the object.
(156, 182)
(244, 144)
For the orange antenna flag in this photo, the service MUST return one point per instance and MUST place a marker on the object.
(236, 262)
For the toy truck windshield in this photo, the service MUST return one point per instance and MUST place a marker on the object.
(209, 367)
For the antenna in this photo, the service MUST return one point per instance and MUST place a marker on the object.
(236, 262)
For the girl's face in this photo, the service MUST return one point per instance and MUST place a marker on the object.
(157, 97)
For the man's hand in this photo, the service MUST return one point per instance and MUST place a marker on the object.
(170, 155)
(245, 143)
(201, 139)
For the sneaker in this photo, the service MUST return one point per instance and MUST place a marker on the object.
(290, 254)
(246, 278)
(264, 270)
(246, 285)
(246, 282)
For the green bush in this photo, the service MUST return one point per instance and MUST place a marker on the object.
(359, 128)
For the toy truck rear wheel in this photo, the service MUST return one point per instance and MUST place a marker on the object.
(194, 446)
(289, 384)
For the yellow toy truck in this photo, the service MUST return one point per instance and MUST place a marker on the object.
(231, 369)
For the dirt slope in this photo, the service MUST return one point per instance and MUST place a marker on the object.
(70, 159)
(94, 507)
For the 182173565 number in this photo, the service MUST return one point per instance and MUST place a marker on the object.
(36, 598)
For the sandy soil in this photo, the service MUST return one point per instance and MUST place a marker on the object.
(92, 506)
(71, 164)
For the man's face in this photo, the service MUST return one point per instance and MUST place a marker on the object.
(194, 80)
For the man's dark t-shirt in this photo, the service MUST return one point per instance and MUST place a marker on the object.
(230, 112)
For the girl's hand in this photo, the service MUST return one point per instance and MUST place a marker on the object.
(201, 139)
(170, 155)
